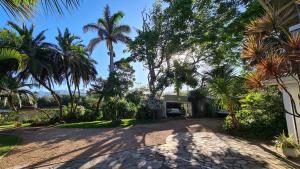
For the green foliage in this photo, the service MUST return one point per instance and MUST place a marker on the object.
(202, 105)
(282, 141)
(46, 101)
(79, 114)
(198, 94)
(184, 73)
(135, 96)
(10, 58)
(115, 108)
(150, 109)
(261, 115)
(226, 87)
(119, 80)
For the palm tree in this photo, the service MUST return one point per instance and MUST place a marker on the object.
(25, 8)
(42, 62)
(109, 30)
(222, 85)
(76, 65)
(12, 89)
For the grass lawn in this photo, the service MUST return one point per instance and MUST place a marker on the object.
(107, 124)
(12, 125)
(7, 142)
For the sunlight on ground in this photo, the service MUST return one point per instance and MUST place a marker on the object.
(12, 125)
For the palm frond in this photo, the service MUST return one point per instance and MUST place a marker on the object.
(25, 9)
(116, 17)
(90, 27)
(6, 54)
(122, 38)
(254, 80)
(121, 29)
(271, 66)
(93, 43)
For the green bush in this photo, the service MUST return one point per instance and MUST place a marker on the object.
(150, 109)
(261, 114)
(88, 102)
(46, 101)
(80, 114)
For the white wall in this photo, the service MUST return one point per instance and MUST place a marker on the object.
(294, 90)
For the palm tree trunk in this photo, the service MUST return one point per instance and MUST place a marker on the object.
(69, 90)
(54, 95)
(233, 117)
(111, 56)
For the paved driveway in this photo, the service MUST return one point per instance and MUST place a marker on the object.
(170, 144)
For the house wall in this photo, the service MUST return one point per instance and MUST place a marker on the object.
(293, 123)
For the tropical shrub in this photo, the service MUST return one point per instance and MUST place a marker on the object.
(115, 108)
(46, 102)
(261, 114)
(150, 109)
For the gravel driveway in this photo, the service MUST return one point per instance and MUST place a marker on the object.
(141, 146)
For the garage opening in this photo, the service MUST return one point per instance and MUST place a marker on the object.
(177, 106)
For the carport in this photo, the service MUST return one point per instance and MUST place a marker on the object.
(174, 99)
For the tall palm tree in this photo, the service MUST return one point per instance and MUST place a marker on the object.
(76, 65)
(42, 61)
(109, 30)
(26, 8)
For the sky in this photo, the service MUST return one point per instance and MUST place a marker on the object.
(89, 12)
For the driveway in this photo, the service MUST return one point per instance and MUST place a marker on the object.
(192, 143)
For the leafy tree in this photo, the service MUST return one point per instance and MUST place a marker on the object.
(184, 74)
(120, 80)
(76, 65)
(211, 30)
(97, 89)
(116, 85)
(147, 48)
(110, 31)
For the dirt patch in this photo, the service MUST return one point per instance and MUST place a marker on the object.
(42, 146)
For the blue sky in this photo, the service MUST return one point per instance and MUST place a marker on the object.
(88, 12)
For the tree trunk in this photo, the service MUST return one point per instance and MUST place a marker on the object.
(111, 56)
(233, 117)
(69, 90)
(54, 95)
(98, 104)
